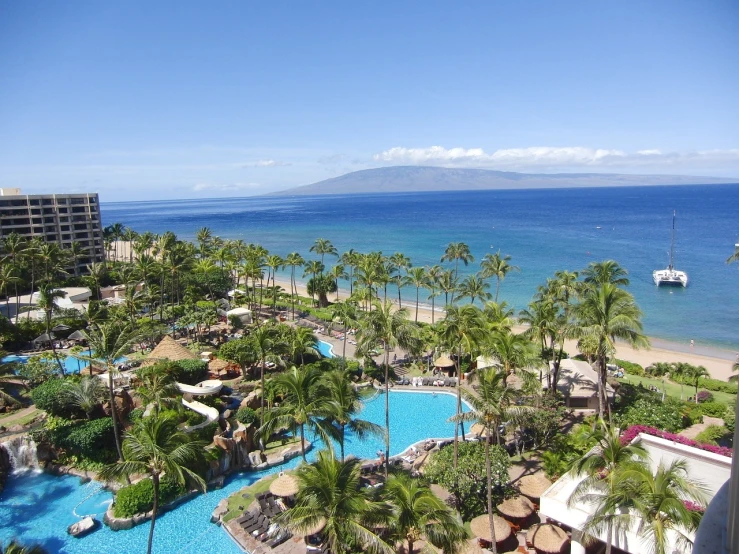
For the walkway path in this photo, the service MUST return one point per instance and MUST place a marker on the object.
(8, 420)
(694, 430)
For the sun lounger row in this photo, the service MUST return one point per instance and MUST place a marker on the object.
(433, 382)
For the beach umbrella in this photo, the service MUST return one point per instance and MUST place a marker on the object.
(77, 335)
(518, 507)
(479, 430)
(534, 485)
(284, 485)
(216, 366)
(46, 337)
(60, 328)
(443, 361)
(480, 527)
(169, 349)
(547, 538)
(317, 528)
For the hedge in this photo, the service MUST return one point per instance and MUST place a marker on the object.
(716, 385)
(631, 433)
(246, 415)
(712, 434)
(713, 409)
(191, 372)
(51, 397)
(91, 437)
(630, 367)
(139, 497)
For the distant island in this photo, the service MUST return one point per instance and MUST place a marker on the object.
(427, 179)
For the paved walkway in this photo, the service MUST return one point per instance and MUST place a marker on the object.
(8, 420)
(694, 430)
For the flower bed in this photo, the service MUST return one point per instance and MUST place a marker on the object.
(631, 433)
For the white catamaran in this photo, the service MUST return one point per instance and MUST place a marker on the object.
(671, 276)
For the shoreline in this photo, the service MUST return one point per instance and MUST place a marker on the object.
(718, 361)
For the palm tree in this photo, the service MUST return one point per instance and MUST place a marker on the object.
(608, 271)
(344, 313)
(337, 272)
(457, 252)
(9, 275)
(115, 231)
(344, 402)
(692, 375)
(418, 512)
(474, 287)
(157, 388)
(301, 341)
(491, 404)
(398, 262)
(330, 494)
(86, 394)
(108, 341)
(14, 547)
(304, 404)
(497, 266)
(156, 447)
(76, 251)
(600, 468)
(96, 272)
(204, 236)
(607, 313)
(416, 277)
(47, 297)
(513, 351)
(9, 378)
(323, 247)
(350, 259)
(313, 268)
(129, 236)
(461, 330)
(391, 329)
(265, 342)
(433, 279)
(659, 499)
(293, 260)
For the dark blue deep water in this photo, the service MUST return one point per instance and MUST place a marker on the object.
(543, 230)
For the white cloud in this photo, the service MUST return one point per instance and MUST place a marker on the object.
(230, 187)
(268, 163)
(550, 157)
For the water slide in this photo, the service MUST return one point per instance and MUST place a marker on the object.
(204, 388)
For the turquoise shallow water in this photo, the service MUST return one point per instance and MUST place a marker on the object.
(70, 363)
(543, 230)
(36, 507)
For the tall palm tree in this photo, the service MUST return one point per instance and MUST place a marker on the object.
(399, 262)
(115, 231)
(607, 271)
(457, 252)
(330, 494)
(337, 272)
(293, 261)
(109, 341)
(350, 258)
(607, 313)
(691, 374)
(266, 343)
(204, 236)
(323, 247)
(433, 274)
(513, 351)
(416, 277)
(155, 446)
(157, 388)
(14, 547)
(75, 252)
(344, 402)
(304, 404)
(344, 313)
(9, 275)
(474, 287)
(659, 500)
(129, 236)
(97, 272)
(47, 297)
(384, 326)
(8, 378)
(497, 266)
(600, 468)
(313, 268)
(419, 513)
(461, 331)
(301, 341)
(491, 404)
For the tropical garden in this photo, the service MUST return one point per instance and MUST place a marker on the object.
(290, 392)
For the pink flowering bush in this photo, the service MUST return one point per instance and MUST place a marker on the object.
(634, 430)
(693, 506)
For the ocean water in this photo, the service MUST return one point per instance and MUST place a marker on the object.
(38, 508)
(543, 230)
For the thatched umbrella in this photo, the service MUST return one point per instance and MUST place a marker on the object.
(518, 507)
(443, 361)
(317, 528)
(547, 538)
(169, 349)
(533, 485)
(77, 335)
(480, 527)
(216, 366)
(284, 485)
(60, 328)
(46, 337)
(479, 430)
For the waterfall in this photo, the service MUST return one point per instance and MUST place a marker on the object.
(22, 453)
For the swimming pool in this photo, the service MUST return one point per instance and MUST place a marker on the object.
(70, 363)
(326, 349)
(37, 508)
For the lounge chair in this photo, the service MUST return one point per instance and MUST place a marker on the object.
(281, 537)
(246, 518)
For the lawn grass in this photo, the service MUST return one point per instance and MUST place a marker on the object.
(240, 500)
(676, 390)
(279, 444)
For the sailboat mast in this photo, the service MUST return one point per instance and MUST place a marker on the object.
(672, 242)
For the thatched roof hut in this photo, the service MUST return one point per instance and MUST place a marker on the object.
(533, 485)
(518, 507)
(284, 485)
(169, 349)
(443, 361)
(480, 527)
(216, 366)
(547, 538)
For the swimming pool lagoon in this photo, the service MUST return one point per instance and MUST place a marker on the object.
(37, 508)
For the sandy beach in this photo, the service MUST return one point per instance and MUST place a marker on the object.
(718, 362)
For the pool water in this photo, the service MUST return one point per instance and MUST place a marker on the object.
(38, 508)
(326, 349)
(70, 363)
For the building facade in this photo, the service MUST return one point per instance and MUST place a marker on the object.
(60, 218)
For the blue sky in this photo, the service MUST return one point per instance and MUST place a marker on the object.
(143, 100)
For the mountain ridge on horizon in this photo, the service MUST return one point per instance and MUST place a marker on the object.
(431, 179)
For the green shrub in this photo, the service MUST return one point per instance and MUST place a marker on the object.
(139, 498)
(206, 433)
(704, 396)
(713, 409)
(136, 415)
(630, 367)
(716, 385)
(190, 372)
(730, 420)
(193, 418)
(38, 370)
(693, 414)
(90, 437)
(51, 397)
(246, 415)
(712, 435)
(212, 401)
(666, 416)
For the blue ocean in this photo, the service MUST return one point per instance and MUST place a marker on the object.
(544, 231)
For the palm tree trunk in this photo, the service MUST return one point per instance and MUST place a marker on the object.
(417, 288)
(433, 309)
(489, 472)
(261, 416)
(155, 480)
(456, 427)
(113, 413)
(343, 350)
(410, 545)
(302, 441)
(341, 441)
(387, 411)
